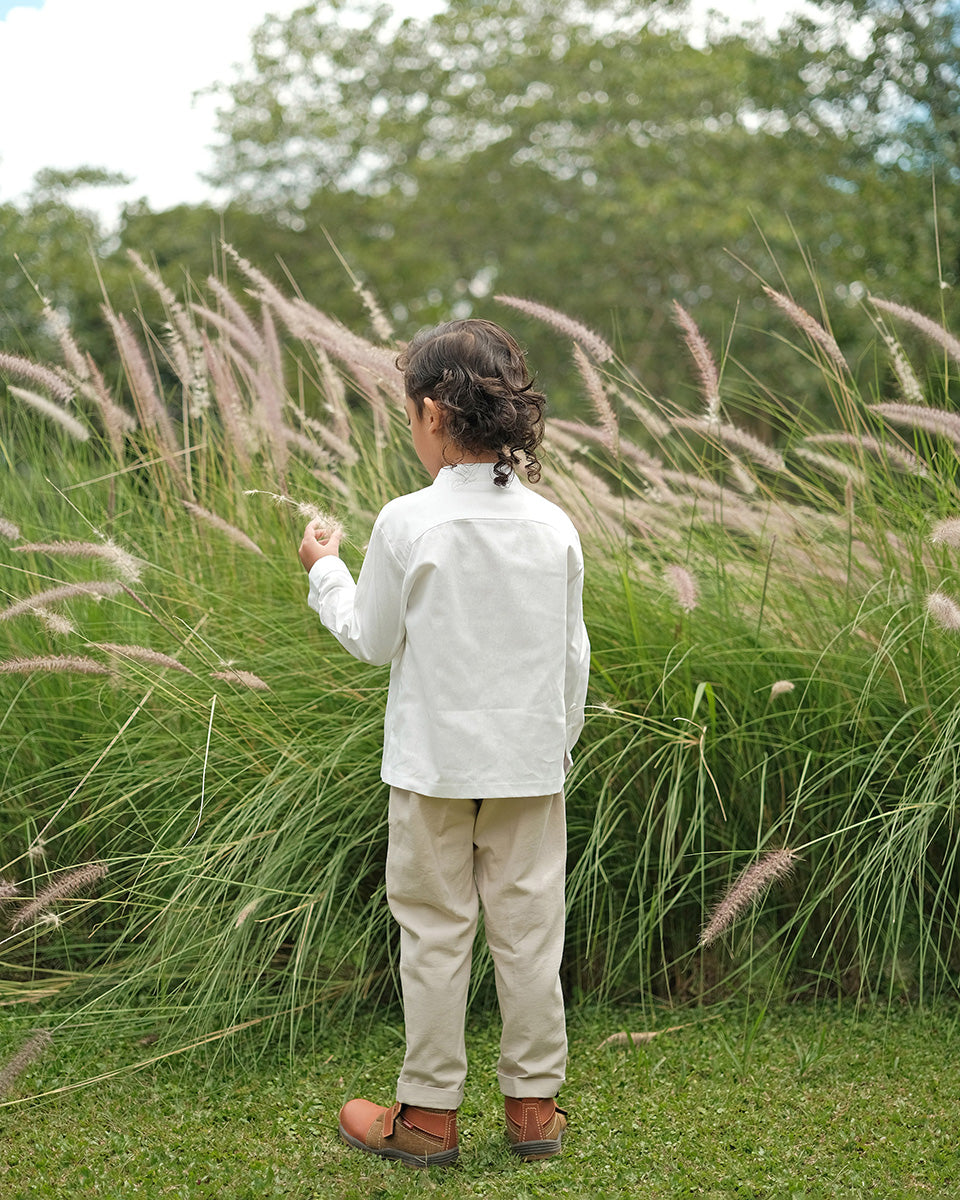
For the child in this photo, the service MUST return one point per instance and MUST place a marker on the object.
(471, 589)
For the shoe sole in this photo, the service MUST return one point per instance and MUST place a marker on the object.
(443, 1158)
(531, 1151)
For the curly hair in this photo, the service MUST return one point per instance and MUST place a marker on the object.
(476, 374)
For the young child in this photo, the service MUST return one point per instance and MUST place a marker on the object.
(471, 589)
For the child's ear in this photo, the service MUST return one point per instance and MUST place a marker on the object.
(432, 413)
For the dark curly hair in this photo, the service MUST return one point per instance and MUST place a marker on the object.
(476, 374)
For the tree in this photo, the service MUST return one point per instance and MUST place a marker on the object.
(585, 154)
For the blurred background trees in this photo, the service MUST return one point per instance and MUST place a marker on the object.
(596, 155)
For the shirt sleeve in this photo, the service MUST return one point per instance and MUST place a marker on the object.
(577, 666)
(365, 617)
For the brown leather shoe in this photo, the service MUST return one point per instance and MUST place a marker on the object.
(534, 1127)
(419, 1137)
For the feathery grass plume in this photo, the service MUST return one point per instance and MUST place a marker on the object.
(746, 890)
(125, 564)
(909, 384)
(32, 372)
(48, 408)
(31, 1049)
(741, 477)
(231, 531)
(335, 394)
(592, 342)
(55, 622)
(652, 423)
(833, 466)
(598, 396)
(116, 420)
(905, 460)
(78, 664)
(150, 406)
(244, 678)
(946, 532)
(8, 890)
(308, 446)
(142, 654)
(97, 589)
(378, 318)
(703, 361)
(37, 850)
(311, 512)
(731, 435)
(230, 405)
(684, 585)
(186, 345)
(931, 420)
(250, 907)
(8, 530)
(341, 447)
(944, 611)
(247, 341)
(810, 326)
(369, 364)
(780, 688)
(68, 884)
(72, 354)
(930, 328)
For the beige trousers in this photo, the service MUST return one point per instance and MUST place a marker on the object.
(444, 858)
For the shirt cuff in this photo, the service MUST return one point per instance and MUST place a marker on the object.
(323, 566)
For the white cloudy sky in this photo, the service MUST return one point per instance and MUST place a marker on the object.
(111, 83)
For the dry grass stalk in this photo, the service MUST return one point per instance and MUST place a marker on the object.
(231, 531)
(946, 532)
(126, 565)
(780, 688)
(48, 408)
(684, 585)
(703, 361)
(598, 397)
(244, 678)
(96, 589)
(76, 663)
(31, 1049)
(638, 1039)
(944, 611)
(927, 327)
(69, 884)
(811, 327)
(142, 654)
(8, 530)
(592, 342)
(746, 890)
(31, 372)
(931, 420)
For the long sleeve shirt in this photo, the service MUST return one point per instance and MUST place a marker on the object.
(473, 594)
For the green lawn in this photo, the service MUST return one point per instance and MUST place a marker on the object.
(794, 1103)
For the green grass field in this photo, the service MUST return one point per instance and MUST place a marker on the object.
(797, 1103)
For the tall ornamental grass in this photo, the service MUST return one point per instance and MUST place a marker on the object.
(193, 825)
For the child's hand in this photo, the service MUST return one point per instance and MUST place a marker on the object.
(318, 542)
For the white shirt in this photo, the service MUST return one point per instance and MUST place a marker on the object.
(473, 594)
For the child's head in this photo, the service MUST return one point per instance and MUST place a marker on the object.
(476, 375)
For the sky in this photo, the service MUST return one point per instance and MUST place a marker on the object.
(112, 83)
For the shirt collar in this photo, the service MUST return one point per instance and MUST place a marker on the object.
(472, 475)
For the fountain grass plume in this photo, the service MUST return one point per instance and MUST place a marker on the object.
(144, 654)
(31, 372)
(311, 512)
(944, 611)
(946, 532)
(598, 396)
(746, 890)
(52, 411)
(67, 885)
(592, 342)
(929, 328)
(96, 588)
(129, 568)
(231, 531)
(703, 361)
(937, 421)
(811, 327)
(77, 664)
(31, 1049)
(684, 585)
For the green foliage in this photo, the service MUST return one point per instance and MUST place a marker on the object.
(768, 670)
